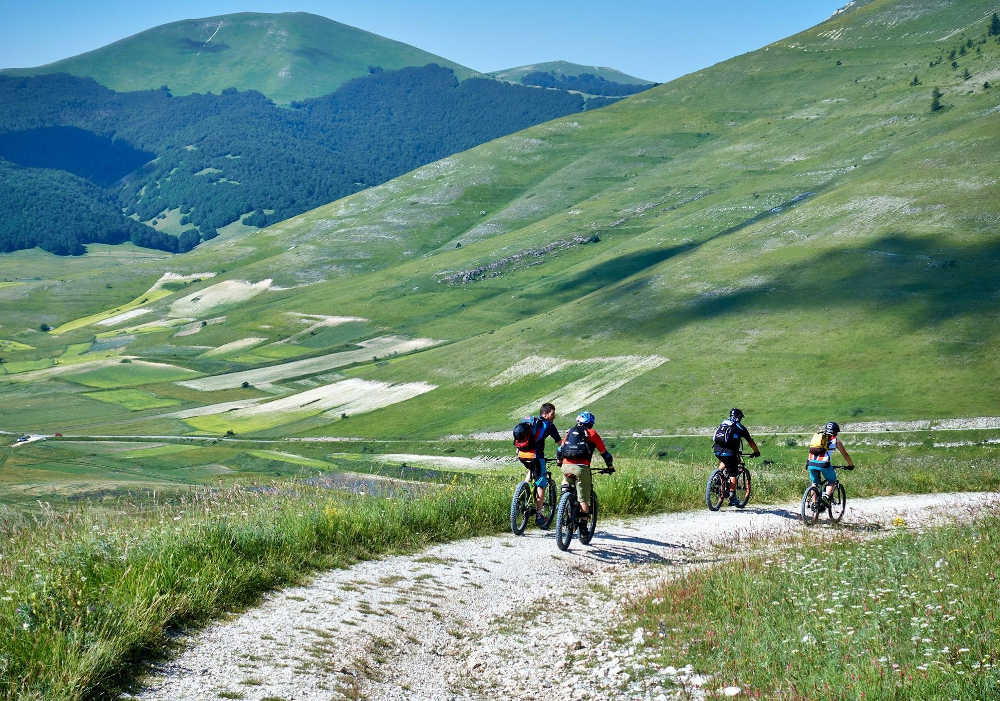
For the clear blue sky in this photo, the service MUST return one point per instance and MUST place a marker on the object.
(657, 40)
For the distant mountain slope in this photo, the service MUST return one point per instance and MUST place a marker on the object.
(802, 231)
(287, 56)
(218, 159)
(566, 68)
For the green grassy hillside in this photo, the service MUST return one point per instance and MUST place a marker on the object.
(286, 56)
(794, 231)
(515, 74)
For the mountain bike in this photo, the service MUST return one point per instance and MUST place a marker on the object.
(523, 505)
(717, 490)
(813, 504)
(569, 518)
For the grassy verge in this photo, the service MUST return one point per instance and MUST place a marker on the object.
(909, 616)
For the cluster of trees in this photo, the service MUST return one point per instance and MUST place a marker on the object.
(59, 212)
(220, 157)
(585, 82)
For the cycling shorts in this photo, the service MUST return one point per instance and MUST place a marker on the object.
(827, 472)
(731, 463)
(537, 467)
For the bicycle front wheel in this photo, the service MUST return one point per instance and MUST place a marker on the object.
(588, 535)
(743, 487)
(715, 490)
(812, 505)
(564, 522)
(519, 506)
(838, 503)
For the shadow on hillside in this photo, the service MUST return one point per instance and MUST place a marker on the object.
(624, 266)
(927, 282)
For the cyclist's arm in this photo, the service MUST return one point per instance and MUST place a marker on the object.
(843, 451)
(750, 440)
(553, 433)
(599, 446)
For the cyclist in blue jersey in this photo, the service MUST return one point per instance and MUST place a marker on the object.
(532, 456)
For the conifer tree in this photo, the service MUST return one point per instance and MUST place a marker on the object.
(936, 100)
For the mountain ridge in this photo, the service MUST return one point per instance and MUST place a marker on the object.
(286, 56)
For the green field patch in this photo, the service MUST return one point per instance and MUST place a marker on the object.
(223, 423)
(74, 350)
(150, 296)
(168, 449)
(132, 399)
(9, 284)
(131, 375)
(148, 327)
(292, 458)
(25, 365)
(105, 447)
(332, 336)
(8, 345)
(276, 351)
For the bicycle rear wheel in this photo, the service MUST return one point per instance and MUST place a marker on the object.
(587, 535)
(743, 487)
(564, 522)
(838, 503)
(812, 505)
(519, 506)
(715, 490)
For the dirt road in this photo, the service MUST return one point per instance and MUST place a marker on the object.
(491, 617)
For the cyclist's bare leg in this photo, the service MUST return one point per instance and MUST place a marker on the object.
(732, 480)
(570, 479)
(539, 491)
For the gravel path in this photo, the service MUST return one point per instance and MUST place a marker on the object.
(489, 617)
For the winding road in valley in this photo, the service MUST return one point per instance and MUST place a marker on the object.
(492, 617)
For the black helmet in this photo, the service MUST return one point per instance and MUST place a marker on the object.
(735, 414)
(832, 428)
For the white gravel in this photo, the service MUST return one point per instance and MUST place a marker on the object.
(490, 617)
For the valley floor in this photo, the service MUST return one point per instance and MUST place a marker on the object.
(495, 617)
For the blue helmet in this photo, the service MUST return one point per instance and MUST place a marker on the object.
(586, 419)
(735, 414)
(831, 429)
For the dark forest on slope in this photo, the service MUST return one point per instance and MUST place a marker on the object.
(81, 163)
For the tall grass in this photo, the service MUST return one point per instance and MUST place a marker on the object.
(910, 616)
(88, 592)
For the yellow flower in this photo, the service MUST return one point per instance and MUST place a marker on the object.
(899, 522)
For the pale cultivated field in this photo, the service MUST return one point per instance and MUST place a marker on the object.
(380, 346)
(609, 374)
(217, 295)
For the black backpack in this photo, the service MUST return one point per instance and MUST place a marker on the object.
(524, 433)
(576, 445)
(724, 437)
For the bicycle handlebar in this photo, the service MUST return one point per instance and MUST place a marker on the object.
(843, 467)
(606, 470)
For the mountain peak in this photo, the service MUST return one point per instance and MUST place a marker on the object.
(286, 56)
